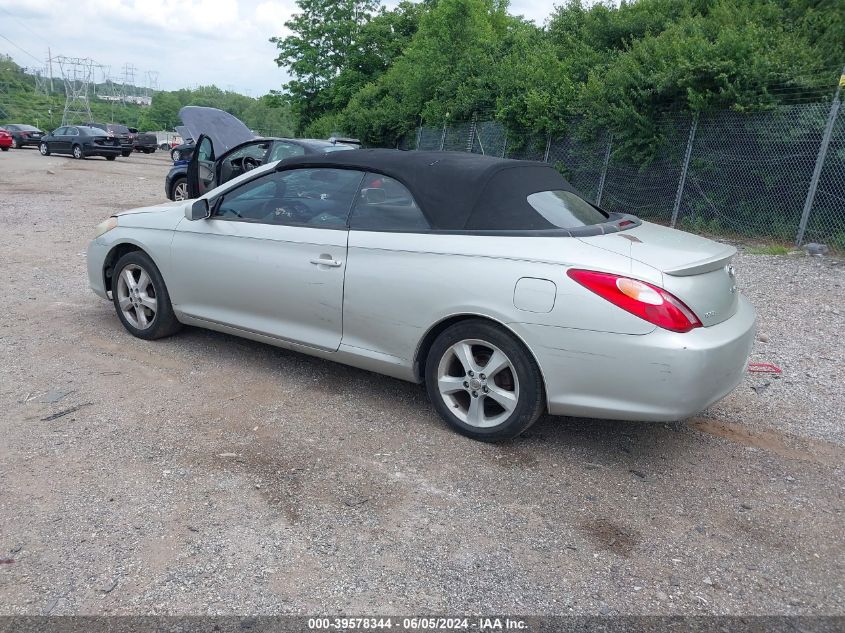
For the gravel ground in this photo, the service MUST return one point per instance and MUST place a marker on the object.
(204, 474)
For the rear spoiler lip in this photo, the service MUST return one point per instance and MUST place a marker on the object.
(706, 265)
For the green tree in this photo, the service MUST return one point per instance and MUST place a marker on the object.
(323, 36)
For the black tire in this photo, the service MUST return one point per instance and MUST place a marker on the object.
(4, 149)
(44, 149)
(111, 157)
(77, 153)
(522, 372)
(126, 154)
(164, 322)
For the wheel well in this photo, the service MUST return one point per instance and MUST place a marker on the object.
(434, 332)
(111, 259)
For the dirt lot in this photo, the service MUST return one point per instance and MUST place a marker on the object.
(208, 474)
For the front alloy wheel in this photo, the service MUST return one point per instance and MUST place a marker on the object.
(45, 151)
(140, 297)
(14, 143)
(483, 381)
(136, 297)
(180, 190)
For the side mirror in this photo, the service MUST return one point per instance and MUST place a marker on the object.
(198, 210)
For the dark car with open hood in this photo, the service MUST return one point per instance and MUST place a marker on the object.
(226, 148)
(80, 141)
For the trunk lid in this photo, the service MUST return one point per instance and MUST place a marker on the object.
(695, 269)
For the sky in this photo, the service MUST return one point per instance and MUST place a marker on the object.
(186, 42)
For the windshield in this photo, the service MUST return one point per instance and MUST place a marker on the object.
(116, 127)
(565, 209)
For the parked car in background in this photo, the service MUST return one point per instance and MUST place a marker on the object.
(144, 142)
(120, 132)
(183, 151)
(5, 140)
(239, 160)
(23, 135)
(81, 141)
(492, 281)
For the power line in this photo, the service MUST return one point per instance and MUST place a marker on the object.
(20, 48)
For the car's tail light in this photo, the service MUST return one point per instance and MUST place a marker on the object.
(642, 299)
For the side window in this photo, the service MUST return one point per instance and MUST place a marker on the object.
(205, 151)
(319, 198)
(72, 131)
(282, 150)
(385, 204)
(60, 131)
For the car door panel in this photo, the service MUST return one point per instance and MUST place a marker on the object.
(262, 278)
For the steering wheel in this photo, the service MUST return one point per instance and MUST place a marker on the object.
(288, 209)
(249, 163)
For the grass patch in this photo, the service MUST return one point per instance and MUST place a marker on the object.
(774, 249)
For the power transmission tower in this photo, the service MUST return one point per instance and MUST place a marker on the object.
(128, 81)
(77, 74)
(152, 82)
(42, 86)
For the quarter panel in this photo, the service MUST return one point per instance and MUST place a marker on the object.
(398, 285)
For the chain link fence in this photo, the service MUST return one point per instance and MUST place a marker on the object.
(776, 175)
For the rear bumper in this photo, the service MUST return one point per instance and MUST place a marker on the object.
(660, 376)
(93, 150)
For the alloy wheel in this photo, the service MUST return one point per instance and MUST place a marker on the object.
(478, 383)
(14, 143)
(180, 191)
(43, 149)
(77, 152)
(136, 296)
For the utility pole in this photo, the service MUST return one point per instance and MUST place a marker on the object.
(50, 66)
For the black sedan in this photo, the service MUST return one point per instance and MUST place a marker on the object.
(120, 132)
(23, 135)
(80, 141)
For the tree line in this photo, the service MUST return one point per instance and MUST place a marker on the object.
(377, 73)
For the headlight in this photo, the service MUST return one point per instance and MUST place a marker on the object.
(105, 227)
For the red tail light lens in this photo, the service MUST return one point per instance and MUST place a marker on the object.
(641, 299)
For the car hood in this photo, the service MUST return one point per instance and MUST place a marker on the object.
(224, 130)
(185, 133)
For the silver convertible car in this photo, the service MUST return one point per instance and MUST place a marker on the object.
(492, 281)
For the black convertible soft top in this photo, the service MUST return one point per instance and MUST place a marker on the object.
(461, 191)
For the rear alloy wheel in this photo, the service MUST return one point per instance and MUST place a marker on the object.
(45, 151)
(140, 297)
(77, 152)
(180, 189)
(483, 381)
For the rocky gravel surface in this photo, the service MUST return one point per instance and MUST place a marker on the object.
(205, 474)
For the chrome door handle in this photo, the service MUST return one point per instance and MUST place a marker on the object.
(319, 261)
